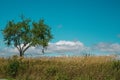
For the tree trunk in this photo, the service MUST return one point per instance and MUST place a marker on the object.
(21, 54)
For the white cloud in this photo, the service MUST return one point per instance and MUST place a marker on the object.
(69, 43)
(58, 47)
(8, 51)
(66, 46)
(108, 47)
(63, 47)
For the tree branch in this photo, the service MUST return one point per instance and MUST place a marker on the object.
(17, 48)
(26, 48)
(24, 45)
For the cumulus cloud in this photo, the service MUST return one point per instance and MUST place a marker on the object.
(108, 47)
(7, 51)
(60, 47)
(66, 46)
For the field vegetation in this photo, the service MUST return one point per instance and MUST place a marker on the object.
(60, 68)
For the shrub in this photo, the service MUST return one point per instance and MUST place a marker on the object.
(116, 65)
(12, 68)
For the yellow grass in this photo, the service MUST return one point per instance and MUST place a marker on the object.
(62, 68)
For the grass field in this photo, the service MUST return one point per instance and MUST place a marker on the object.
(60, 68)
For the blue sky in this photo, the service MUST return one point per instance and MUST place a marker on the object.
(88, 21)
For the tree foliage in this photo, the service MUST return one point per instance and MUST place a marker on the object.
(25, 33)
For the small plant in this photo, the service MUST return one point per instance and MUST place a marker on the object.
(116, 65)
(12, 68)
(61, 77)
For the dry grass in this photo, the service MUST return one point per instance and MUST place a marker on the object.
(63, 68)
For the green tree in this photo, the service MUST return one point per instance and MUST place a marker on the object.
(26, 33)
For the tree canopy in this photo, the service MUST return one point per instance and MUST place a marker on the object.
(26, 33)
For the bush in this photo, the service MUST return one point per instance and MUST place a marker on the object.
(116, 65)
(12, 68)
